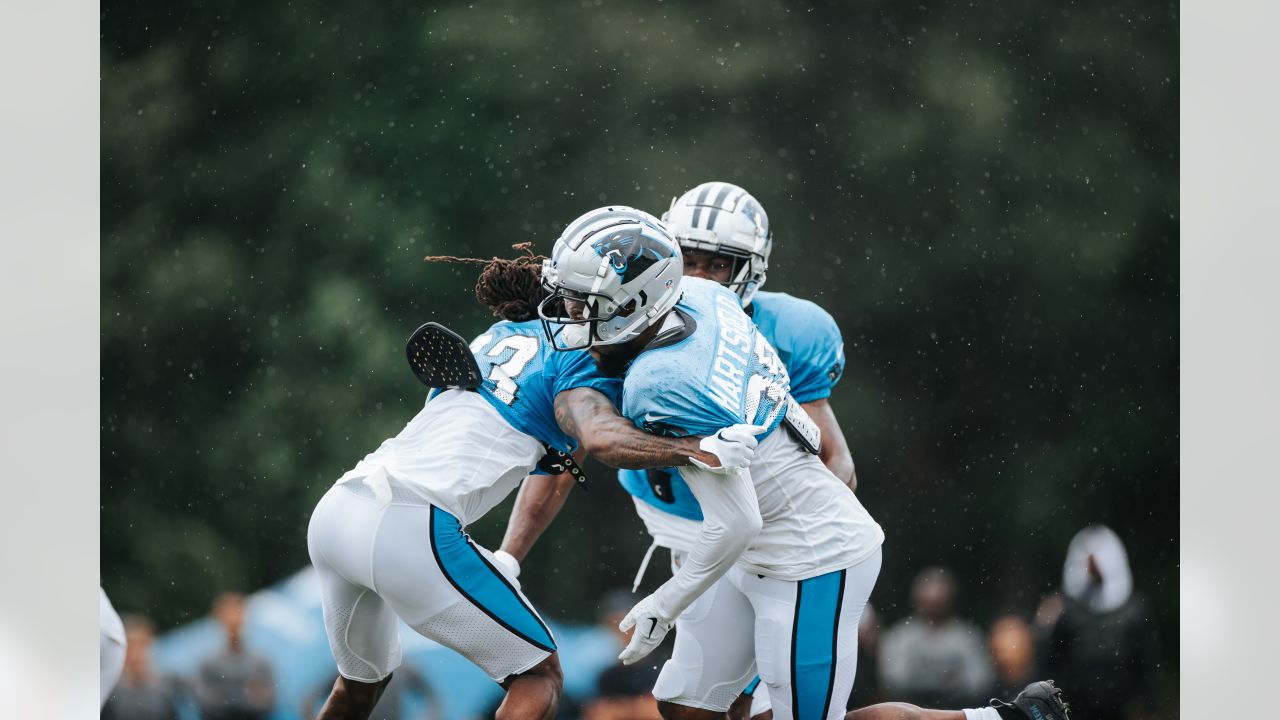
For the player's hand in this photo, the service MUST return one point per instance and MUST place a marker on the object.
(651, 626)
(734, 446)
(508, 565)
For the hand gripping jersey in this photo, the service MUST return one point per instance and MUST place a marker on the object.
(466, 451)
(807, 341)
(704, 381)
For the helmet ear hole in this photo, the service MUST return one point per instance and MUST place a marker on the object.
(628, 309)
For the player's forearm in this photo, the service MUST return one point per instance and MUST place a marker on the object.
(619, 444)
(834, 452)
(588, 415)
(537, 504)
(731, 522)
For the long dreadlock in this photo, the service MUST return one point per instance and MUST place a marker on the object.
(510, 288)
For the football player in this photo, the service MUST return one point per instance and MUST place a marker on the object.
(797, 551)
(388, 538)
(724, 234)
(783, 561)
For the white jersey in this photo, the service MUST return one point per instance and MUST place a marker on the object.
(458, 454)
(812, 523)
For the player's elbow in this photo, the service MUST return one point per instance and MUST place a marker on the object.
(599, 446)
(841, 465)
(745, 528)
(752, 526)
(848, 473)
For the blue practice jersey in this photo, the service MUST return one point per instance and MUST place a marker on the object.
(808, 342)
(523, 374)
(723, 373)
(806, 338)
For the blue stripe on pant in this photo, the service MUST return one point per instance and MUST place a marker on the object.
(481, 583)
(813, 644)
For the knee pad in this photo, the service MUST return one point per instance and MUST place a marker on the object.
(675, 681)
(690, 686)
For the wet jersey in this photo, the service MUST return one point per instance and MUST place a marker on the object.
(708, 379)
(523, 374)
(722, 373)
(466, 451)
(806, 338)
(809, 344)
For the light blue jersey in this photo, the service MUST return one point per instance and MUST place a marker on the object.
(722, 373)
(523, 374)
(808, 342)
(806, 338)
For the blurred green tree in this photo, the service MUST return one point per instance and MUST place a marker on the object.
(984, 195)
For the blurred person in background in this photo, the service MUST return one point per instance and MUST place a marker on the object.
(1100, 638)
(141, 693)
(932, 658)
(111, 647)
(236, 684)
(623, 693)
(1012, 654)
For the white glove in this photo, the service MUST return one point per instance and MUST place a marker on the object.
(508, 565)
(651, 626)
(735, 446)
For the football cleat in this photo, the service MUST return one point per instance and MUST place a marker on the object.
(1039, 701)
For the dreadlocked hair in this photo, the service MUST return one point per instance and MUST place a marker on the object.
(510, 288)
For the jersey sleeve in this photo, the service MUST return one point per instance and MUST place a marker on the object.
(817, 357)
(576, 369)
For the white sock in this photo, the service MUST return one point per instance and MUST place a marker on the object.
(986, 713)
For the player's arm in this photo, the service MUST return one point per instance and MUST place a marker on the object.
(731, 521)
(590, 416)
(537, 504)
(834, 451)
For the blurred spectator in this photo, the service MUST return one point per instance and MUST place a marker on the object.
(932, 659)
(235, 684)
(141, 694)
(1099, 644)
(407, 697)
(622, 694)
(866, 684)
(625, 692)
(1013, 655)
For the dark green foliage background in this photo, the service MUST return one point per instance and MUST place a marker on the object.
(985, 196)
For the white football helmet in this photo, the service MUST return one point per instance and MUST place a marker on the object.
(724, 219)
(620, 267)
